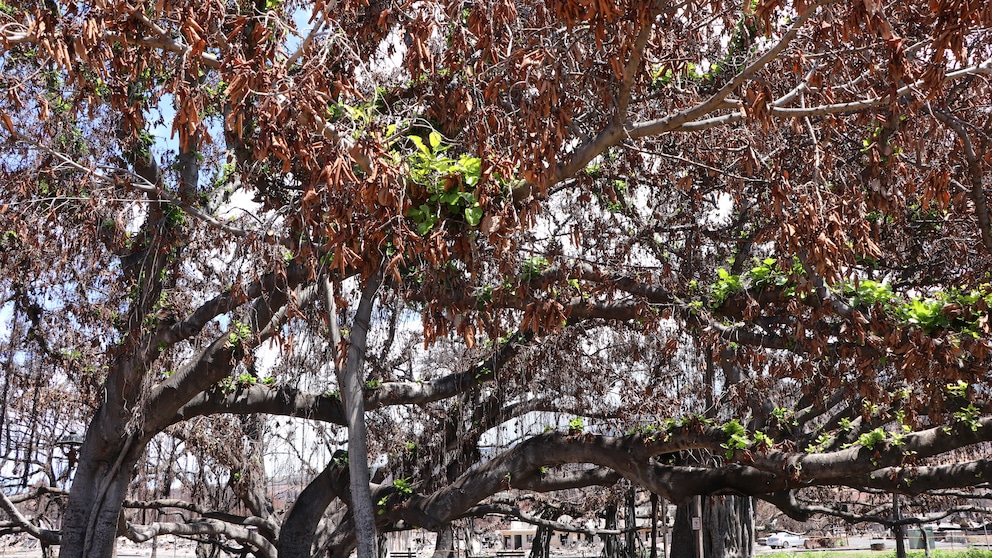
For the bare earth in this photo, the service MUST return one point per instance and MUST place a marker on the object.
(123, 551)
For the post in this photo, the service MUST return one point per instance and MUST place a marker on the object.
(654, 525)
(664, 532)
(697, 526)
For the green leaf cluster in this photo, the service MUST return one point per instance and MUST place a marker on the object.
(764, 273)
(869, 293)
(958, 389)
(653, 432)
(737, 438)
(576, 425)
(869, 439)
(784, 416)
(403, 486)
(822, 442)
(725, 286)
(373, 384)
(956, 309)
(969, 416)
(173, 214)
(238, 333)
(450, 183)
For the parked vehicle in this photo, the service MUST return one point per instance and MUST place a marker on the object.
(785, 540)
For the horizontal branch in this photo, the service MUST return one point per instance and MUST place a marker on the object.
(680, 119)
(505, 510)
(210, 527)
(324, 407)
(46, 536)
(751, 472)
(984, 68)
(554, 480)
(268, 528)
(416, 393)
(887, 520)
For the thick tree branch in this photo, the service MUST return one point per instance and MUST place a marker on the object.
(269, 529)
(210, 527)
(44, 535)
(216, 361)
(554, 480)
(514, 511)
(352, 382)
(270, 283)
(287, 401)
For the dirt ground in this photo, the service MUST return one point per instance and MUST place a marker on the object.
(124, 550)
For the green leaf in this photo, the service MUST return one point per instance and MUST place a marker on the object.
(450, 198)
(473, 215)
(420, 144)
(435, 139)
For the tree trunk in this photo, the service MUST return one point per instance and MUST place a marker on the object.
(898, 530)
(654, 525)
(296, 537)
(541, 547)
(728, 528)
(630, 523)
(352, 384)
(91, 519)
(445, 545)
(611, 543)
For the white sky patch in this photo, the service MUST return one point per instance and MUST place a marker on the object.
(722, 211)
(241, 202)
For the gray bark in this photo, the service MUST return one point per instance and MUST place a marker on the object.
(92, 516)
(728, 528)
(350, 379)
(541, 547)
(611, 542)
(444, 546)
(630, 523)
(296, 537)
(898, 530)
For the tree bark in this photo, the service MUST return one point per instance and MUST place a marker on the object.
(630, 523)
(654, 525)
(898, 530)
(91, 520)
(296, 537)
(541, 547)
(444, 547)
(728, 528)
(611, 542)
(351, 382)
